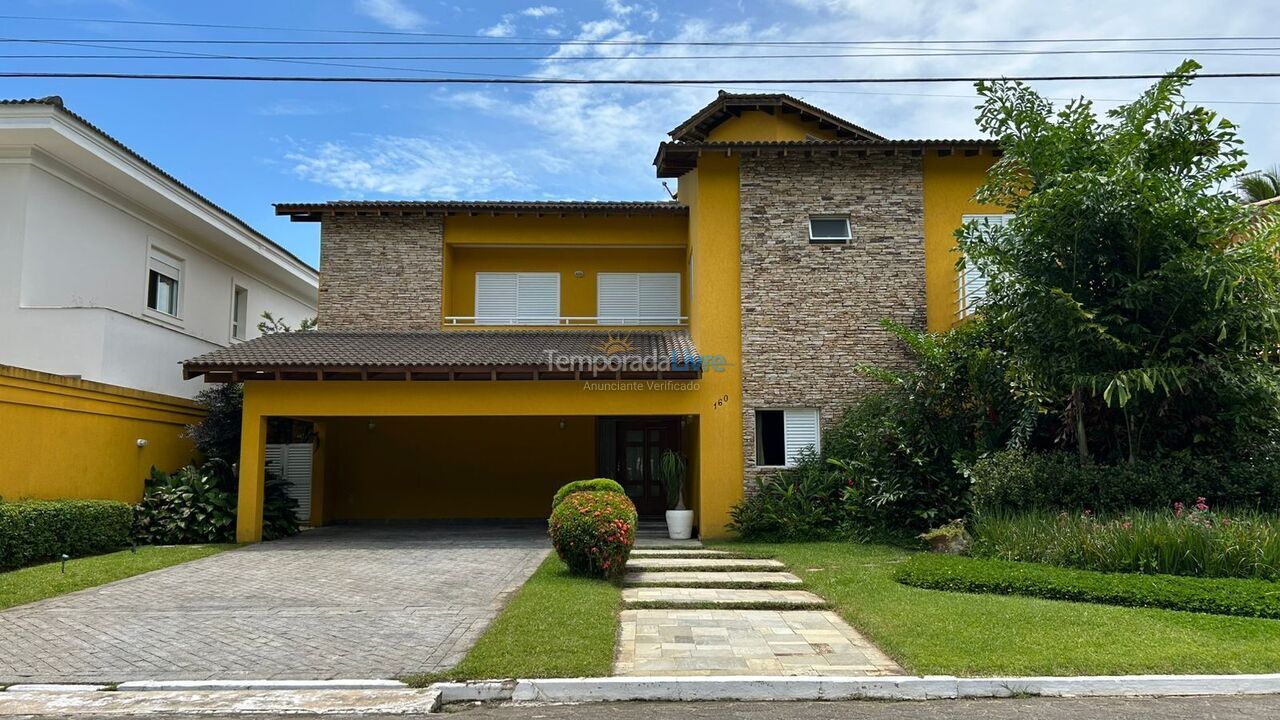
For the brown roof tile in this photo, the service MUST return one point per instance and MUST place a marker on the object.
(312, 212)
(436, 349)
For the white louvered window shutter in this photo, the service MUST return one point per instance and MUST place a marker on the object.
(617, 298)
(638, 298)
(800, 432)
(538, 298)
(659, 298)
(495, 298)
(971, 285)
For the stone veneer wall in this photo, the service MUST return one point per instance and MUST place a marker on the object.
(381, 272)
(810, 313)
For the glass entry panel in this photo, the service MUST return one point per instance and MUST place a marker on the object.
(638, 444)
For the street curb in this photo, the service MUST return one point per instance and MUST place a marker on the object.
(180, 685)
(772, 688)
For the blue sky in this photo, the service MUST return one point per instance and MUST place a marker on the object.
(247, 145)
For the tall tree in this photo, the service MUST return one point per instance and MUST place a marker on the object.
(1261, 185)
(1142, 307)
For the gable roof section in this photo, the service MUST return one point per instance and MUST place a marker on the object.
(677, 158)
(285, 258)
(729, 105)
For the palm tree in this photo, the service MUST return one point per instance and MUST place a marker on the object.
(1260, 185)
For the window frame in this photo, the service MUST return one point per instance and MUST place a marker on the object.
(605, 318)
(831, 239)
(175, 265)
(238, 323)
(965, 306)
(517, 319)
(788, 462)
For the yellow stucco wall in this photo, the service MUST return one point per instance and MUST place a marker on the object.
(68, 438)
(442, 467)
(577, 294)
(560, 230)
(760, 125)
(715, 322)
(949, 184)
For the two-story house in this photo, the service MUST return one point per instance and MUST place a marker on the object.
(111, 273)
(473, 356)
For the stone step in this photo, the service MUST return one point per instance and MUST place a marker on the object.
(656, 542)
(674, 597)
(710, 578)
(687, 563)
(680, 552)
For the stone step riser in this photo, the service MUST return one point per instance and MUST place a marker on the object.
(704, 565)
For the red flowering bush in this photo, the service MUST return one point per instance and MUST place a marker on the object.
(593, 532)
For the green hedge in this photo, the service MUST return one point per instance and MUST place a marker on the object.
(1226, 596)
(1012, 481)
(36, 531)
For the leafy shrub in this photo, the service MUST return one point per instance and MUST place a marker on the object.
(891, 466)
(198, 505)
(593, 532)
(593, 485)
(34, 531)
(1185, 541)
(1013, 481)
(803, 503)
(1247, 598)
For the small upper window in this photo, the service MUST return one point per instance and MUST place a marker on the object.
(971, 284)
(164, 282)
(239, 312)
(829, 229)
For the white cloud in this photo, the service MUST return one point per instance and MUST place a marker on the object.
(288, 107)
(617, 7)
(412, 167)
(540, 11)
(395, 14)
(504, 28)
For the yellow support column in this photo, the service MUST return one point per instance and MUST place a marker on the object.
(317, 475)
(253, 451)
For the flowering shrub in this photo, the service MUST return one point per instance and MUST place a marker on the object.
(585, 486)
(1183, 541)
(593, 532)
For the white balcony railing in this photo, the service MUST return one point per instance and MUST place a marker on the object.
(567, 320)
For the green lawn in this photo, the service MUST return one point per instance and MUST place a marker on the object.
(933, 632)
(557, 625)
(19, 587)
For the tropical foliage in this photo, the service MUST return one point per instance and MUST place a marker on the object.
(198, 505)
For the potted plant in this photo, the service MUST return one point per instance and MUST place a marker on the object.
(671, 466)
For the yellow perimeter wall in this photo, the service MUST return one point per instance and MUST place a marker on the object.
(68, 438)
(949, 184)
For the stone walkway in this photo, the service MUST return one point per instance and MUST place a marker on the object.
(337, 602)
(693, 611)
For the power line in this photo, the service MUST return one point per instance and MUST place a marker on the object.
(498, 80)
(659, 43)
(1252, 51)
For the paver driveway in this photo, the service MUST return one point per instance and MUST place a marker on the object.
(352, 602)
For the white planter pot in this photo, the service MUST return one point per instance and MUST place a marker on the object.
(680, 524)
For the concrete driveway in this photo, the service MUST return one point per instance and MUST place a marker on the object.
(337, 602)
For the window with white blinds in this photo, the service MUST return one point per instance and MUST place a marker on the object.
(971, 284)
(638, 298)
(783, 435)
(504, 298)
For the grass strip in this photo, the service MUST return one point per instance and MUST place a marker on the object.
(556, 625)
(27, 585)
(1217, 596)
(945, 633)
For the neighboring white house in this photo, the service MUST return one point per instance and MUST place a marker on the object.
(114, 271)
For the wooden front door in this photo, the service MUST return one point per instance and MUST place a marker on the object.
(640, 444)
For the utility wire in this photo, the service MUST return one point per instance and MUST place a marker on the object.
(496, 80)
(515, 39)
(658, 43)
(1252, 51)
